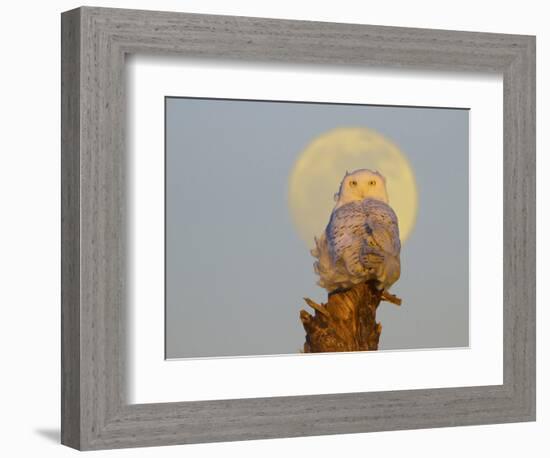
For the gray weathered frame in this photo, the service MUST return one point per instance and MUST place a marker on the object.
(95, 414)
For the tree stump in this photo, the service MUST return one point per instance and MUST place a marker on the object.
(347, 322)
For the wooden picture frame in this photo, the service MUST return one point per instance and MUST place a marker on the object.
(95, 413)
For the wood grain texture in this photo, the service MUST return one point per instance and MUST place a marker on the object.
(95, 412)
(70, 229)
(347, 322)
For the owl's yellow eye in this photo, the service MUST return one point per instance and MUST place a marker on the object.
(372, 182)
(353, 183)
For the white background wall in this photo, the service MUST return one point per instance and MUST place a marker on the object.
(29, 233)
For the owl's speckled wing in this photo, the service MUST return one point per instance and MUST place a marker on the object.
(364, 236)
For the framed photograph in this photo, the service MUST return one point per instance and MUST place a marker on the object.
(278, 228)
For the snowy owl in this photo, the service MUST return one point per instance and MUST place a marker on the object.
(361, 241)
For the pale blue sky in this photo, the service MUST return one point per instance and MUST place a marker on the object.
(236, 269)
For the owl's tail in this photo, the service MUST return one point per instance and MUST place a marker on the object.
(381, 266)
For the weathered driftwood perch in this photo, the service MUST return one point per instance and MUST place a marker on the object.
(347, 322)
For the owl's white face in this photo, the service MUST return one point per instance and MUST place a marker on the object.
(361, 184)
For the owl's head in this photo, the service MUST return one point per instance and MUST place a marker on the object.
(361, 184)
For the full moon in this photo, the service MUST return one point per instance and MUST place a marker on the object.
(320, 167)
